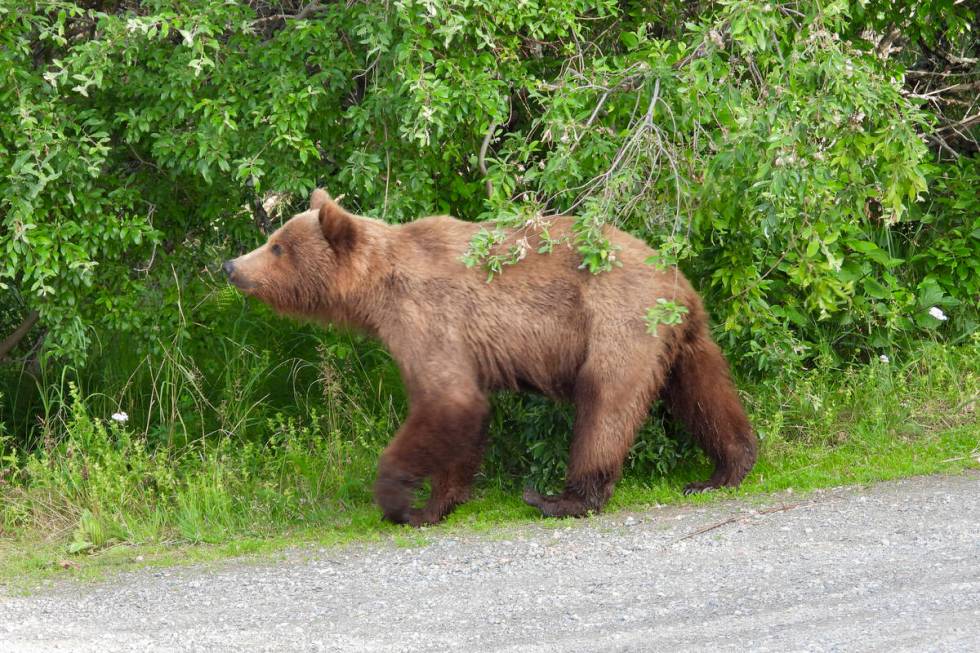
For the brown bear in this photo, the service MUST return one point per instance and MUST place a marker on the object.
(544, 324)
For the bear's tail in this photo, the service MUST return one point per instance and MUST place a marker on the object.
(700, 393)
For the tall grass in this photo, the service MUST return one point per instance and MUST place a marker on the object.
(228, 430)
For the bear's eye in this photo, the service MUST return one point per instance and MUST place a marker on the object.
(276, 249)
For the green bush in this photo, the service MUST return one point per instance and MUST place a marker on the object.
(771, 150)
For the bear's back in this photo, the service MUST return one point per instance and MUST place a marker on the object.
(533, 324)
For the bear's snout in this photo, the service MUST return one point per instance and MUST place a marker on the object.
(234, 276)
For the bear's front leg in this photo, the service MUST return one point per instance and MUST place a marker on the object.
(394, 489)
(442, 440)
(450, 488)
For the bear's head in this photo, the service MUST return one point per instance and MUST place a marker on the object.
(307, 263)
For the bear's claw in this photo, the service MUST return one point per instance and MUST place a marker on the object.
(417, 518)
(559, 505)
(532, 497)
(699, 488)
(548, 505)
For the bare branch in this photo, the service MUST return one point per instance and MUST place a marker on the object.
(943, 145)
(955, 88)
(308, 10)
(968, 121)
(588, 123)
(302, 14)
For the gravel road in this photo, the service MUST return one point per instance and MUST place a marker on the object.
(892, 567)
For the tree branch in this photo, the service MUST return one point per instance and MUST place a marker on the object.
(14, 338)
(968, 121)
(491, 130)
(884, 47)
(309, 9)
(302, 14)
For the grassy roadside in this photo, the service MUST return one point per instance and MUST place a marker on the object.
(102, 499)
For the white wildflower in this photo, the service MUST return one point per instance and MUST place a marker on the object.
(120, 417)
(884, 359)
(937, 313)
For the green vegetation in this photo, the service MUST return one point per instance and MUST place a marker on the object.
(812, 166)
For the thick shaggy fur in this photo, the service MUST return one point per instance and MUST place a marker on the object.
(544, 325)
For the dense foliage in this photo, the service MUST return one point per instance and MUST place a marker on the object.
(779, 151)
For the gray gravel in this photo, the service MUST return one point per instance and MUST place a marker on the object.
(891, 567)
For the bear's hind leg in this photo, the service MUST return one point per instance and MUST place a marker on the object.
(608, 414)
(699, 392)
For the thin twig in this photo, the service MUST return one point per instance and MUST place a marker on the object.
(588, 123)
(482, 159)
(731, 520)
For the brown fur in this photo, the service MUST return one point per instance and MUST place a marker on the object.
(544, 324)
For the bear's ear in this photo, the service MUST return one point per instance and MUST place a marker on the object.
(338, 226)
(318, 199)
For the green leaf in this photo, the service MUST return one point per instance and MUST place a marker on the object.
(875, 289)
